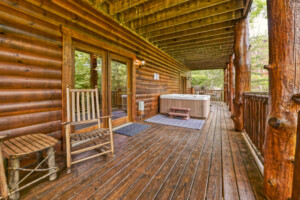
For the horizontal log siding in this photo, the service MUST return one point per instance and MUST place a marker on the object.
(31, 60)
(30, 75)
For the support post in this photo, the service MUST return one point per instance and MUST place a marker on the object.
(284, 78)
(296, 179)
(242, 69)
(230, 83)
(225, 84)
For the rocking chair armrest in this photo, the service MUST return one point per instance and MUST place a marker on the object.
(108, 116)
(65, 123)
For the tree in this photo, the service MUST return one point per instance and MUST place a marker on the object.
(209, 79)
(82, 70)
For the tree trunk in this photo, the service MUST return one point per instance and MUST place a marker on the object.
(242, 69)
(230, 83)
(284, 82)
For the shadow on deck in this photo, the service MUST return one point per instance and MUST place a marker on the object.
(165, 162)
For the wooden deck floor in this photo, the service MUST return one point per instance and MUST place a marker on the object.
(165, 162)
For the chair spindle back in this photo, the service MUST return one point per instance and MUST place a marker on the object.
(83, 106)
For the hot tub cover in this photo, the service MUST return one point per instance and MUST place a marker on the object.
(185, 96)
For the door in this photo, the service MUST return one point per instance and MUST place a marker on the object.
(182, 84)
(88, 73)
(120, 89)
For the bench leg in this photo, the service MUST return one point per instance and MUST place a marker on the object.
(39, 157)
(3, 183)
(14, 176)
(51, 163)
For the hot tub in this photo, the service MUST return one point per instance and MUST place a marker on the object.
(199, 104)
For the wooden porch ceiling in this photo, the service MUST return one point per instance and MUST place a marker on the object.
(198, 33)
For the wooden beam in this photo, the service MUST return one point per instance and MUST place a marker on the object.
(201, 44)
(195, 24)
(194, 16)
(284, 24)
(175, 12)
(197, 41)
(242, 70)
(198, 55)
(149, 8)
(197, 30)
(247, 7)
(118, 6)
(202, 54)
(195, 50)
(196, 36)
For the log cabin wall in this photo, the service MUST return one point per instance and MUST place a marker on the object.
(31, 62)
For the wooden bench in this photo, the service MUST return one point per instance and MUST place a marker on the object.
(185, 112)
(16, 148)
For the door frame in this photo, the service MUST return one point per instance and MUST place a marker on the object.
(183, 84)
(68, 36)
(128, 62)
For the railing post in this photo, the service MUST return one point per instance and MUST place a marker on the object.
(284, 76)
(242, 69)
(225, 84)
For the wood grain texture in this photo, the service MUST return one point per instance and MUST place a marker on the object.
(165, 162)
(242, 63)
(281, 137)
(32, 67)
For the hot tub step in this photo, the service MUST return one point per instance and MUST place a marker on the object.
(180, 109)
(185, 116)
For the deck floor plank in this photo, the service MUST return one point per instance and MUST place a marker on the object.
(242, 179)
(165, 162)
(230, 190)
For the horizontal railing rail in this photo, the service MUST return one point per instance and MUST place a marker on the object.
(215, 95)
(255, 118)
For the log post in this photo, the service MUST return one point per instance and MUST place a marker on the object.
(242, 69)
(296, 179)
(225, 84)
(284, 79)
(230, 83)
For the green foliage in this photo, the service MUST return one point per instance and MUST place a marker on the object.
(82, 70)
(118, 76)
(209, 79)
(258, 8)
(259, 57)
(259, 49)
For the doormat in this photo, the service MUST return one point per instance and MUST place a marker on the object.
(164, 119)
(132, 129)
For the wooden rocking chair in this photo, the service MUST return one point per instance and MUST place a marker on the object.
(83, 108)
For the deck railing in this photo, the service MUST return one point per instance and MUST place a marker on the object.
(255, 118)
(215, 95)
